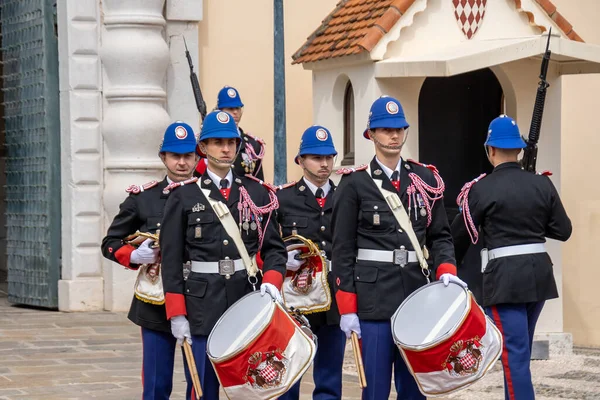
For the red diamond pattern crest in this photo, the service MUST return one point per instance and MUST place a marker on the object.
(303, 280)
(468, 361)
(469, 15)
(269, 374)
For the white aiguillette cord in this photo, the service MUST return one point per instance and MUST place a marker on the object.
(230, 226)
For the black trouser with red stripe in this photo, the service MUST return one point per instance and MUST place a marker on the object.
(517, 324)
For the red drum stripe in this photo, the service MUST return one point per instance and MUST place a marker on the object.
(275, 337)
(433, 359)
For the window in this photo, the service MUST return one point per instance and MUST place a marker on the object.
(348, 126)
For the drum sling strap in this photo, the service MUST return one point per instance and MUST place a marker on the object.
(395, 204)
(231, 228)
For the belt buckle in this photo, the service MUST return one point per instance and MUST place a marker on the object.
(226, 267)
(401, 256)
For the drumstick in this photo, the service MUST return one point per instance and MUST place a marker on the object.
(362, 379)
(189, 356)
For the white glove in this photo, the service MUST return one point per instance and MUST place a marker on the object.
(447, 278)
(144, 254)
(180, 328)
(272, 290)
(293, 264)
(349, 323)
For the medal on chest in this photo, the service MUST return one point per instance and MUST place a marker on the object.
(421, 204)
(248, 163)
(376, 219)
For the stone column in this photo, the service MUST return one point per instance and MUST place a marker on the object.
(135, 57)
(80, 287)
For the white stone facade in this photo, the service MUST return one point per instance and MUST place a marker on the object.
(123, 79)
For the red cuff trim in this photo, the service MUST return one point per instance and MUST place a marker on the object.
(175, 305)
(274, 278)
(259, 261)
(346, 302)
(123, 255)
(445, 268)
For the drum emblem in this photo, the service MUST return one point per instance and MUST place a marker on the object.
(303, 280)
(464, 358)
(266, 370)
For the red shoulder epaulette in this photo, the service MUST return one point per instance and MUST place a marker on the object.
(135, 189)
(431, 167)
(173, 185)
(270, 187)
(545, 173)
(346, 171)
(286, 185)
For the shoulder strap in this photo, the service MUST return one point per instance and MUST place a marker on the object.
(395, 204)
(230, 226)
(135, 189)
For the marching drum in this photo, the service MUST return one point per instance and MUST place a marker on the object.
(445, 338)
(306, 290)
(258, 350)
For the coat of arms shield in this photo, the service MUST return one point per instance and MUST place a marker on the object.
(469, 14)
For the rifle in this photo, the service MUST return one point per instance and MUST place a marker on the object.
(200, 104)
(530, 154)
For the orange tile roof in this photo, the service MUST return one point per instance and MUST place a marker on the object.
(356, 26)
(556, 16)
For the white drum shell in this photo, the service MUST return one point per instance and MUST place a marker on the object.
(429, 315)
(240, 325)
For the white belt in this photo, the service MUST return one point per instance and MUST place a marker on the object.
(223, 267)
(399, 256)
(516, 250)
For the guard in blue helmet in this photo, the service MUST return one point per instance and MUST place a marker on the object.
(386, 112)
(513, 211)
(252, 149)
(305, 209)
(142, 211)
(218, 276)
(229, 97)
(375, 264)
(503, 133)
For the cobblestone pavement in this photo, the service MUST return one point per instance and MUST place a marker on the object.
(53, 355)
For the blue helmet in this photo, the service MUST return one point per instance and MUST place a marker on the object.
(179, 138)
(219, 125)
(386, 112)
(229, 97)
(503, 133)
(316, 140)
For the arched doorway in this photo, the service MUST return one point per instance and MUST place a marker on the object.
(454, 114)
